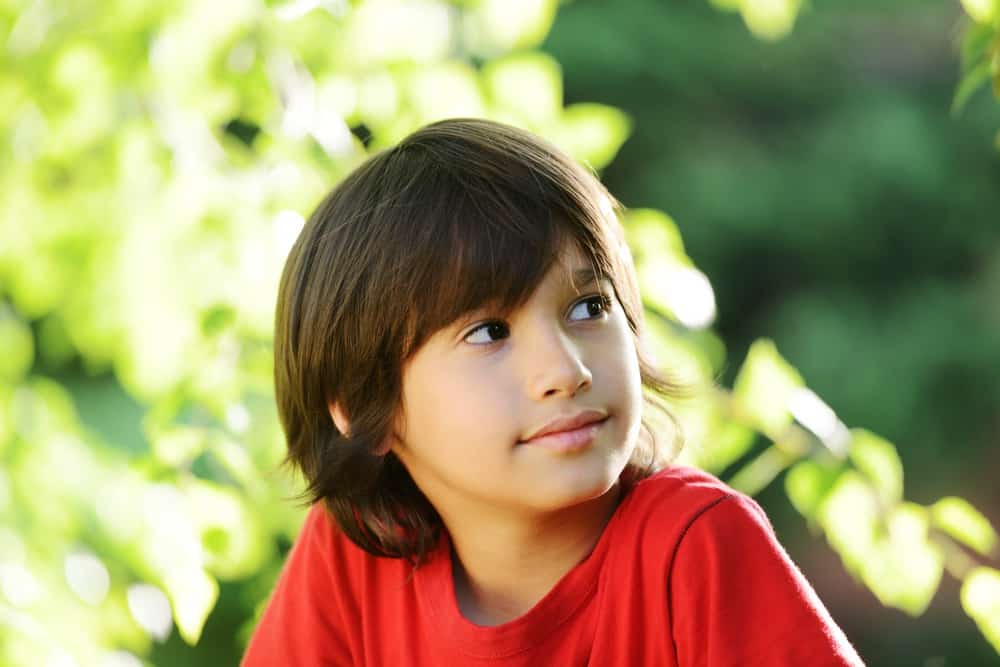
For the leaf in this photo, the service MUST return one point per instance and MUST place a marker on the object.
(770, 19)
(878, 460)
(981, 11)
(962, 521)
(231, 538)
(896, 562)
(904, 570)
(981, 601)
(807, 484)
(495, 26)
(444, 90)
(764, 386)
(975, 79)
(179, 445)
(591, 133)
(974, 44)
(653, 236)
(849, 516)
(529, 85)
(18, 349)
(193, 594)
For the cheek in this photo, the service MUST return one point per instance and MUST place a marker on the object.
(448, 403)
(629, 378)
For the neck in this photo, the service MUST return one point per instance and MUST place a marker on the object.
(504, 565)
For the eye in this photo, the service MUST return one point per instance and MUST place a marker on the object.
(595, 306)
(491, 329)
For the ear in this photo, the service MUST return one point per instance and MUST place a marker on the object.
(339, 418)
(344, 426)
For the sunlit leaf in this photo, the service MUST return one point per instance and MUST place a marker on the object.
(446, 90)
(232, 542)
(592, 133)
(878, 460)
(770, 19)
(981, 601)
(192, 593)
(807, 484)
(958, 518)
(668, 280)
(528, 85)
(387, 31)
(850, 517)
(493, 27)
(764, 385)
(981, 11)
(179, 445)
(18, 348)
(904, 569)
(653, 235)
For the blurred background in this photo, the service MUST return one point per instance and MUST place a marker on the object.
(814, 219)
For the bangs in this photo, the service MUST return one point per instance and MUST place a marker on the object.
(488, 245)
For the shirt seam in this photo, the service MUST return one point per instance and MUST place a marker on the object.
(673, 560)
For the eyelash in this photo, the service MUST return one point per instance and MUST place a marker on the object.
(603, 299)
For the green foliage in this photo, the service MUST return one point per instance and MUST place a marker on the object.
(980, 53)
(161, 158)
(964, 523)
(981, 601)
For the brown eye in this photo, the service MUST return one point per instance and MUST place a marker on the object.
(595, 306)
(493, 331)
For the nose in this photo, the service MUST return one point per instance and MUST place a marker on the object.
(555, 365)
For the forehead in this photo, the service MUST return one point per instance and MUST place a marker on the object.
(573, 270)
(490, 275)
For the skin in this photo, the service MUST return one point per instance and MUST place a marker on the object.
(520, 516)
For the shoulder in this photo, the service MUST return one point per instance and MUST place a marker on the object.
(661, 509)
(677, 493)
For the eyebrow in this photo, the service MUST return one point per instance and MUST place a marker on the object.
(584, 276)
(581, 277)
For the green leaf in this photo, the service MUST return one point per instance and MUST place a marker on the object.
(591, 133)
(496, 26)
(444, 90)
(179, 445)
(981, 601)
(763, 387)
(850, 517)
(18, 349)
(958, 518)
(669, 282)
(973, 80)
(904, 570)
(232, 541)
(653, 236)
(977, 39)
(878, 460)
(729, 441)
(981, 11)
(528, 85)
(192, 594)
(770, 19)
(807, 484)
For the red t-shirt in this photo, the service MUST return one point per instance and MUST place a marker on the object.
(688, 572)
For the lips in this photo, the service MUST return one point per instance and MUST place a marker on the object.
(567, 423)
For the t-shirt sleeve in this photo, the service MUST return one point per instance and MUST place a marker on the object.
(302, 625)
(737, 598)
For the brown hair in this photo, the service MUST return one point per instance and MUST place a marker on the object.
(374, 274)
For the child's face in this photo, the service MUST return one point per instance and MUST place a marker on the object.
(473, 393)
